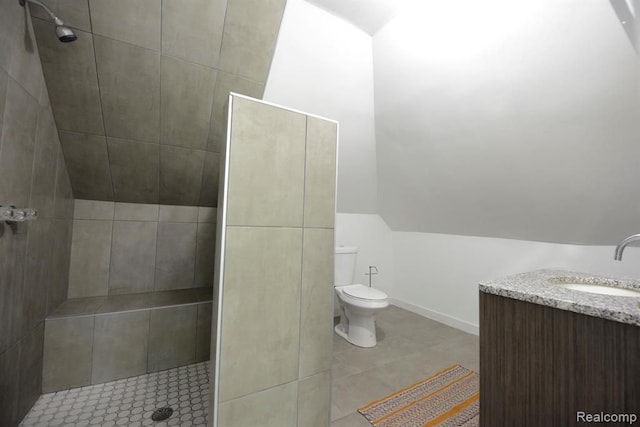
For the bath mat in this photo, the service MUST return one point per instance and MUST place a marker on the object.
(448, 398)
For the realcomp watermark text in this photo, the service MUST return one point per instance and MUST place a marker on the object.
(603, 417)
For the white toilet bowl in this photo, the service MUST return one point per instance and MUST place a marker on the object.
(358, 306)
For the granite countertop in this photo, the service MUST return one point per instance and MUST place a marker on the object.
(537, 287)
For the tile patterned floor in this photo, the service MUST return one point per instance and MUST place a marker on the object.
(410, 348)
(129, 402)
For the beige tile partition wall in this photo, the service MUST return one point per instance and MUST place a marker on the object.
(275, 286)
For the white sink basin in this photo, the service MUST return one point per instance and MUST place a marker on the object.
(598, 289)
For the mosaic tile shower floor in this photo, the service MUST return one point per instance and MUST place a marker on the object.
(129, 402)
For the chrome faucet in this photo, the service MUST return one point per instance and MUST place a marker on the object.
(623, 244)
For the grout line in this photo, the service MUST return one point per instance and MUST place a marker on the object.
(93, 338)
(224, 25)
(155, 259)
(104, 125)
(302, 256)
(276, 226)
(146, 369)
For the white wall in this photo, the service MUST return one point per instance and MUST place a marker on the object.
(514, 119)
(437, 275)
(374, 241)
(323, 65)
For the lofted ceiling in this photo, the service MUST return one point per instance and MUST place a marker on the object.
(368, 15)
(139, 97)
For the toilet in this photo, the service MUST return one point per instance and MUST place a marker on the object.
(358, 303)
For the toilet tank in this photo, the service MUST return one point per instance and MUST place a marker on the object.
(345, 265)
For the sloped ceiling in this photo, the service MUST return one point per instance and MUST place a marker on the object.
(138, 99)
(368, 15)
(509, 119)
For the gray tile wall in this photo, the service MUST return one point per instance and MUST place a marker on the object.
(277, 286)
(139, 97)
(34, 256)
(124, 248)
(96, 348)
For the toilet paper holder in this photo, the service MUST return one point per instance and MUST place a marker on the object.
(372, 270)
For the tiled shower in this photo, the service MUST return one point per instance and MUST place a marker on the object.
(117, 140)
(130, 113)
(139, 297)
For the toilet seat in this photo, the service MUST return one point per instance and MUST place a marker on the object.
(364, 293)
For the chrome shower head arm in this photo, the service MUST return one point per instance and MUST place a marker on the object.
(64, 33)
(46, 8)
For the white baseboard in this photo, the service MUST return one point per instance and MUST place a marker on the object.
(454, 322)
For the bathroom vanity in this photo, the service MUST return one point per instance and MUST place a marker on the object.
(553, 356)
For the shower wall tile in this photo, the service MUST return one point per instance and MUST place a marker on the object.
(262, 290)
(136, 212)
(187, 91)
(72, 80)
(316, 314)
(226, 83)
(74, 12)
(135, 170)
(9, 380)
(12, 255)
(205, 255)
(170, 213)
(63, 203)
(177, 324)
(210, 180)
(250, 33)
(122, 43)
(273, 407)
(203, 332)
(136, 22)
(87, 160)
(24, 66)
(175, 257)
(193, 30)
(93, 209)
(68, 345)
(141, 248)
(180, 175)
(130, 89)
(268, 190)
(44, 165)
(314, 400)
(6, 38)
(29, 151)
(320, 173)
(4, 81)
(120, 346)
(18, 144)
(206, 214)
(133, 257)
(61, 259)
(36, 274)
(90, 258)
(30, 367)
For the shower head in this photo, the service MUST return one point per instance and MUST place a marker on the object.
(64, 33)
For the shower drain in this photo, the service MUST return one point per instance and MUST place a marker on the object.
(161, 414)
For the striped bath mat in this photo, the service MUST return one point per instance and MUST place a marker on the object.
(448, 398)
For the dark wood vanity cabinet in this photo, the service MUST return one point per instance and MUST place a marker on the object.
(542, 366)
